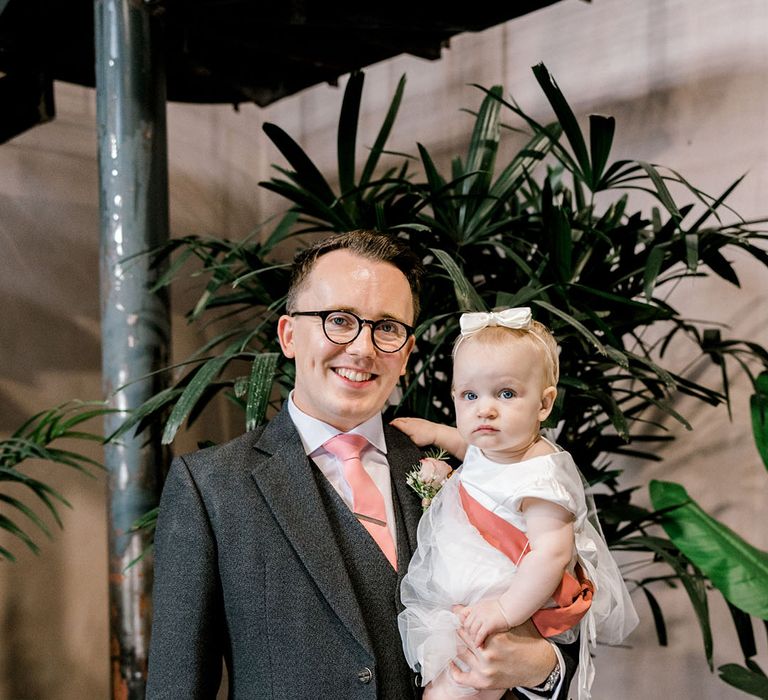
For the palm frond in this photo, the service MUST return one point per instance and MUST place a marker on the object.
(34, 440)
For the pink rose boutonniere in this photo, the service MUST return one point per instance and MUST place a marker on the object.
(428, 476)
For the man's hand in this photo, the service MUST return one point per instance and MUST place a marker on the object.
(519, 657)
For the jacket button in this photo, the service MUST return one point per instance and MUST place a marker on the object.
(365, 675)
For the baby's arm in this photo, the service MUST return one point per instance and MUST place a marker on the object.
(424, 432)
(550, 534)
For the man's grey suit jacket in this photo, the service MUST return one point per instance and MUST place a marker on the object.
(248, 568)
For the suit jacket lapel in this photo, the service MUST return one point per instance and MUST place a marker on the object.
(286, 481)
(402, 456)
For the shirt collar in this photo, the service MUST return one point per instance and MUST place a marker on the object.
(314, 432)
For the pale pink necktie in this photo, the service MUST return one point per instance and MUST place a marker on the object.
(368, 503)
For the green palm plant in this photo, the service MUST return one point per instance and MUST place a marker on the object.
(550, 228)
(39, 438)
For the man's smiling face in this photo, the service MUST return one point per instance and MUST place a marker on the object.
(344, 385)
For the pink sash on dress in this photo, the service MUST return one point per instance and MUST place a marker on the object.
(573, 597)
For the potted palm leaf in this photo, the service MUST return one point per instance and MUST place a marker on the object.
(50, 437)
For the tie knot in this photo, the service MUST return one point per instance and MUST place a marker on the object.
(345, 446)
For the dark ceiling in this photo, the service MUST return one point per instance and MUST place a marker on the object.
(230, 51)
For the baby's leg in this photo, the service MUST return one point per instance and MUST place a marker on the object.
(445, 688)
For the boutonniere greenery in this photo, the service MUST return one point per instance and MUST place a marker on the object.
(428, 476)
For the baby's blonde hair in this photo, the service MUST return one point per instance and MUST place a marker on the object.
(537, 335)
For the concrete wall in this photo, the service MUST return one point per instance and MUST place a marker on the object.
(687, 83)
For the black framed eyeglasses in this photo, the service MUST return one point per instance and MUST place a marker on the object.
(342, 327)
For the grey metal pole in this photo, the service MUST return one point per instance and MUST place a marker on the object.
(133, 176)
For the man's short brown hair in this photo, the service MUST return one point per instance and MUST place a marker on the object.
(381, 247)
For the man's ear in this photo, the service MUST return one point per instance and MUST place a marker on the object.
(407, 353)
(285, 336)
(547, 402)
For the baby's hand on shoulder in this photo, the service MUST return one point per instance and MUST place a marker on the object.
(424, 432)
(421, 431)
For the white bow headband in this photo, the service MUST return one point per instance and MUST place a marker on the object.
(519, 317)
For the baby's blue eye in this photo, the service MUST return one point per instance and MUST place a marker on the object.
(507, 394)
(470, 395)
